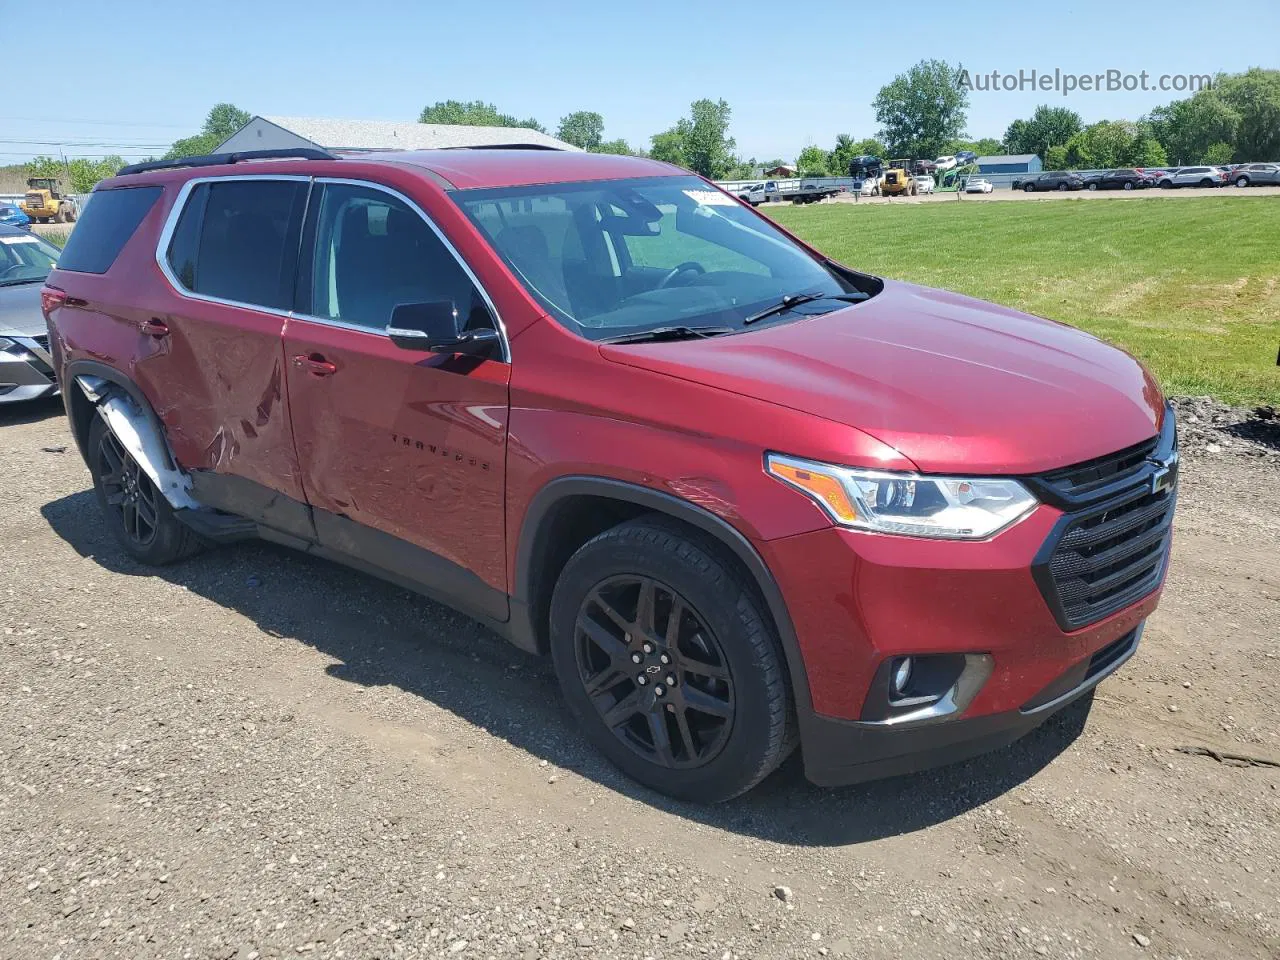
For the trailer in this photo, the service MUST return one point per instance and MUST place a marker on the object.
(803, 192)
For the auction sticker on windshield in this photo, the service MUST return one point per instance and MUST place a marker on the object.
(12, 240)
(710, 198)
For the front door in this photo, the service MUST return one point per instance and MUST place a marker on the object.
(402, 452)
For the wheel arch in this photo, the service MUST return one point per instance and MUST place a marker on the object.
(80, 405)
(570, 510)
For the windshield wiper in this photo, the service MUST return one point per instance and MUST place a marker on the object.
(795, 299)
(668, 333)
(14, 283)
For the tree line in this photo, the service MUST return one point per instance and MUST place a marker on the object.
(922, 113)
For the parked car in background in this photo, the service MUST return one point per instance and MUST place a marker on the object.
(1192, 177)
(924, 183)
(14, 216)
(1053, 180)
(944, 163)
(867, 187)
(978, 185)
(1256, 175)
(1116, 180)
(26, 368)
(966, 157)
(745, 498)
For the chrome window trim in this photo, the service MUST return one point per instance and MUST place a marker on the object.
(453, 251)
(171, 224)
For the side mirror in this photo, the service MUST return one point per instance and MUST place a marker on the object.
(434, 327)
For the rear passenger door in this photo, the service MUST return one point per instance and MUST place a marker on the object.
(229, 254)
(402, 451)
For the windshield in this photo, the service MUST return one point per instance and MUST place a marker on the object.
(618, 257)
(25, 258)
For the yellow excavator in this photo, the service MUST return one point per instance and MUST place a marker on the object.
(47, 201)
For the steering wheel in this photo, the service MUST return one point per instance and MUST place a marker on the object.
(688, 266)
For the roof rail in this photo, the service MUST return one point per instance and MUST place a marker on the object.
(504, 146)
(218, 159)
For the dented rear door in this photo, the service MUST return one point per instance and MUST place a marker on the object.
(211, 355)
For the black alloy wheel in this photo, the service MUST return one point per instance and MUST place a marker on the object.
(128, 491)
(669, 663)
(134, 508)
(654, 671)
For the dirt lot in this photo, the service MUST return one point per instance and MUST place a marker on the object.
(255, 754)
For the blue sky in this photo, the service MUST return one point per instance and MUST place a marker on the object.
(130, 77)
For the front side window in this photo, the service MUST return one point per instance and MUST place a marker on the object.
(237, 240)
(618, 257)
(373, 252)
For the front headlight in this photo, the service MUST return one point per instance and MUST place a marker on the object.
(952, 508)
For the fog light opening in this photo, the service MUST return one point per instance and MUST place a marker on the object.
(901, 677)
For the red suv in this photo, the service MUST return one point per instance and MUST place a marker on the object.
(744, 496)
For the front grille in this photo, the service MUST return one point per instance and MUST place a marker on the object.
(35, 199)
(1111, 546)
(1096, 476)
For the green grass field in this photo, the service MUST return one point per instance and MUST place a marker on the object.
(1191, 287)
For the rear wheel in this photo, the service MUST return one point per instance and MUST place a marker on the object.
(668, 664)
(1242, 181)
(1063, 187)
(1093, 186)
(136, 512)
(1128, 184)
(1206, 182)
(1029, 188)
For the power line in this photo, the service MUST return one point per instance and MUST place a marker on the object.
(84, 143)
(107, 123)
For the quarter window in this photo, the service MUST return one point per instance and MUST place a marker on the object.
(237, 240)
(109, 220)
(373, 252)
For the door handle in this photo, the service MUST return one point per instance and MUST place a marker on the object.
(316, 364)
(155, 327)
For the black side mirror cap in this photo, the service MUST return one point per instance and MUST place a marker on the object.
(433, 327)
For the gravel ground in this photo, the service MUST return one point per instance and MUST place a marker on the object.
(255, 754)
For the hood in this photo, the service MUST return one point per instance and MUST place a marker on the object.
(20, 311)
(952, 383)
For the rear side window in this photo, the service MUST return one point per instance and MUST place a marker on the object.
(108, 221)
(237, 240)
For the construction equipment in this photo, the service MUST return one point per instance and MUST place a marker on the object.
(46, 200)
(899, 180)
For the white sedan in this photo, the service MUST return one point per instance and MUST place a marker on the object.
(978, 185)
(945, 163)
(924, 183)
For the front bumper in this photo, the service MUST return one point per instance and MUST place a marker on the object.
(26, 375)
(840, 752)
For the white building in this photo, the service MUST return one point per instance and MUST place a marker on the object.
(276, 133)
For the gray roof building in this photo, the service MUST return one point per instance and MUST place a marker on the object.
(1010, 163)
(277, 133)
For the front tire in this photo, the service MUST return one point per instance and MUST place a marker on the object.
(136, 512)
(1029, 188)
(668, 664)
(1128, 184)
(1093, 186)
(1242, 182)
